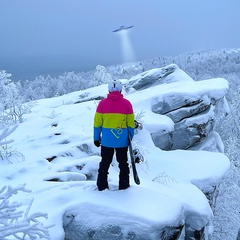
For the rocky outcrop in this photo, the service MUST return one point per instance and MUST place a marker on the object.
(77, 226)
(189, 104)
(181, 114)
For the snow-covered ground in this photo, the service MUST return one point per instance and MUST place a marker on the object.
(169, 193)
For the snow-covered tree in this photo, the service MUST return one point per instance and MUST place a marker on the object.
(101, 75)
(70, 82)
(12, 106)
(8, 95)
(48, 87)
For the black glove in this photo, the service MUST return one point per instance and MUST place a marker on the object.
(97, 143)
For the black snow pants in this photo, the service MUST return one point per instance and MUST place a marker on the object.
(107, 156)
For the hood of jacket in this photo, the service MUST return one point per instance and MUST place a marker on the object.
(115, 96)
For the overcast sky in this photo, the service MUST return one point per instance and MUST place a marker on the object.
(83, 29)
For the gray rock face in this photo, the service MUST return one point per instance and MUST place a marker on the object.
(78, 226)
(189, 127)
(238, 236)
(150, 78)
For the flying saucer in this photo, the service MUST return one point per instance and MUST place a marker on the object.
(122, 28)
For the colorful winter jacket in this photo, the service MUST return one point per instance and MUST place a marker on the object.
(113, 121)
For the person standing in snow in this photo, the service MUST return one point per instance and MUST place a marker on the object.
(113, 122)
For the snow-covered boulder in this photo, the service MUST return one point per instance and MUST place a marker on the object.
(190, 105)
(158, 76)
(91, 221)
(150, 214)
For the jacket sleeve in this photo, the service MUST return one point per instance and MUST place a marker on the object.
(97, 128)
(130, 121)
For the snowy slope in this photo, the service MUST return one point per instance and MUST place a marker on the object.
(58, 129)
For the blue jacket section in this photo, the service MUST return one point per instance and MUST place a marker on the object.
(114, 138)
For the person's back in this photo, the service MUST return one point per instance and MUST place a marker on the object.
(114, 115)
(113, 122)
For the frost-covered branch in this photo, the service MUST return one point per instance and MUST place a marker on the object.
(14, 222)
(5, 133)
(164, 179)
(7, 153)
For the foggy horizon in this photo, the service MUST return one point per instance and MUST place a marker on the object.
(78, 35)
